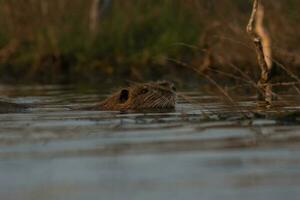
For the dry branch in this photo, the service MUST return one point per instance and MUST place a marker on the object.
(261, 41)
(264, 35)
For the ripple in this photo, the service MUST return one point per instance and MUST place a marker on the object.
(204, 144)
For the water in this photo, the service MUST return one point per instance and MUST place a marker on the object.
(57, 152)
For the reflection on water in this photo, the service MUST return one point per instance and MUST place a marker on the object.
(59, 151)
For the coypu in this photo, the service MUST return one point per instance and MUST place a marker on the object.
(151, 95)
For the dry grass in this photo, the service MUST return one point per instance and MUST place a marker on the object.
(51, 40)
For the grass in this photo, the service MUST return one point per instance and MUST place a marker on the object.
(49, 41)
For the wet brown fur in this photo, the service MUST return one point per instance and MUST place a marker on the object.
(152, 95)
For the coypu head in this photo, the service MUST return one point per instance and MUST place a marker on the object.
(152, 95)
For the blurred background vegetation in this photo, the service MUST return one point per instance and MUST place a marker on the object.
(96, 41)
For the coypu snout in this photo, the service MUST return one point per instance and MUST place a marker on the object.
(152, 95)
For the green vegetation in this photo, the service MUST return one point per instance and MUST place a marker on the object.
(50, 41)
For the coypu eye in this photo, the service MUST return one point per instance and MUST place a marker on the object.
(124, 96)
(144, 91)
(174, 88)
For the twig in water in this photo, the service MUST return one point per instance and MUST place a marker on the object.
(257, 32)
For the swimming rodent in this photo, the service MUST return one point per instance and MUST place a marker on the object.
(139, 96)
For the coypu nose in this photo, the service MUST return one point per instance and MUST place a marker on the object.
(167, 84)
(164, 83)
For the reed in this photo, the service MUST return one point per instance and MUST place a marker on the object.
(68, 41)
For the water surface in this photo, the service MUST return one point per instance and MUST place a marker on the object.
(203, 150)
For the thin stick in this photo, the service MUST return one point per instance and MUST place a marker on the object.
(262, 60)
(218, 87)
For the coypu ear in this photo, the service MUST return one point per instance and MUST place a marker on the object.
(124, 95)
